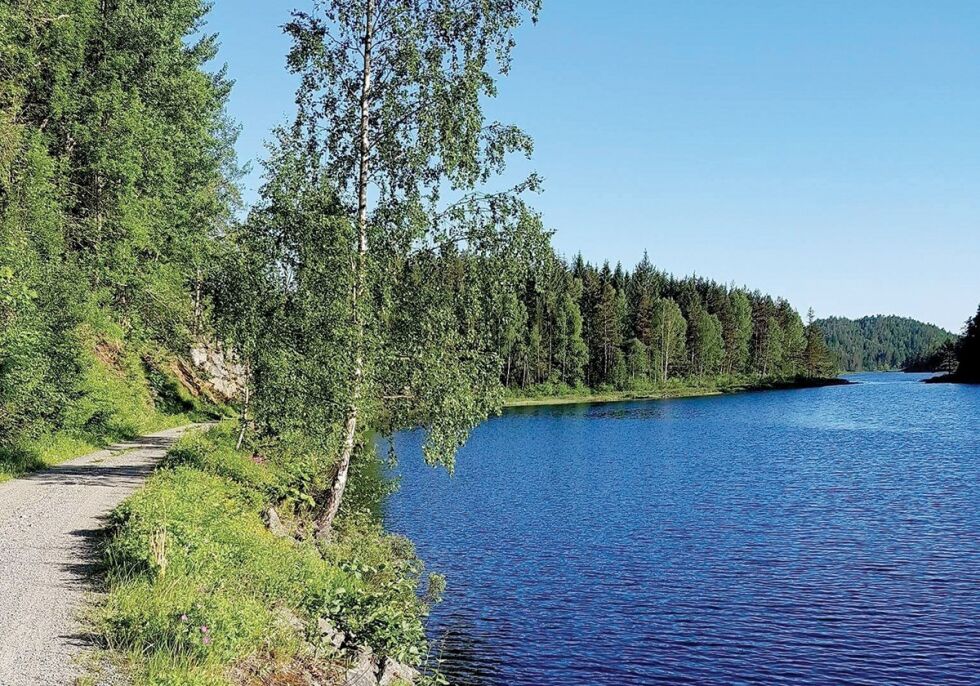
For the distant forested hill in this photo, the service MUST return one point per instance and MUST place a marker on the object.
(881, 342)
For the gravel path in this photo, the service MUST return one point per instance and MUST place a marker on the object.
(48, 521)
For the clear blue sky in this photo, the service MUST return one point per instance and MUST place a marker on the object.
(825, 151)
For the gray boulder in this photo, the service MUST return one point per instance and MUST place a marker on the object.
(395, 673)
(363, 671)
(330, 634)
(275, 524)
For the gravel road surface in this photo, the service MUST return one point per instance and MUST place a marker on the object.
(48, 522)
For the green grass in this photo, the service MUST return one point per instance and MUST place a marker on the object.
(122, 394)
(29, 454)
(196, 581)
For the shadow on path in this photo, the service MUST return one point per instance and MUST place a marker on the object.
(52, 534)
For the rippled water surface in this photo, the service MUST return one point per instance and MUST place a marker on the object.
(820, 536)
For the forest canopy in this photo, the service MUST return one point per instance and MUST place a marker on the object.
(881, 343)
(117, 178)
(609, 327)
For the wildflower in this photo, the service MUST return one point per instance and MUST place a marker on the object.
(183, 618)
(204, 629)
(206, 640)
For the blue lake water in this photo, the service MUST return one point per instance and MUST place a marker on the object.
(819, 536)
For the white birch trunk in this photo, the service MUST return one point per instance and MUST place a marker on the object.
(336, 495)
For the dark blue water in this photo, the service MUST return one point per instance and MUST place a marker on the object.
(821, 536)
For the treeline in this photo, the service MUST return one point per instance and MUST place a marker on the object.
(968, 352)
(881, 343)
(961, 359)
(580, 324)
(942, 359)
(116, 177)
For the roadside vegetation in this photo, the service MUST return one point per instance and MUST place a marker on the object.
(120, 392)
(115, 175)
(202, 591)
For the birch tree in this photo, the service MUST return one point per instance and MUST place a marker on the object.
(670, 331)
(390, 108)
(738, 332)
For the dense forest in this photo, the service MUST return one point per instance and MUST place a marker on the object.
(941, 359)
(614, 328)
(968, 351)
(117, 177)
(881, 343)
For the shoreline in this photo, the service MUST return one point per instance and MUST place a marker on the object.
(671, 393)
(952, 378)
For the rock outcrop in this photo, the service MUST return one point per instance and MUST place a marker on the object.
(394, 673)
(329, 659)
(330, 635)
(367, 670)
(363, 671)
(220, 368)
(276, 527)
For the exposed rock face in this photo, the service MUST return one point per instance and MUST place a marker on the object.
(331, 634)
(327, 659)
(221, 368)
(364, 670)
(395, 673)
